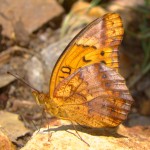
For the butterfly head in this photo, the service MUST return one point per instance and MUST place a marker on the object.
(45, 101)
(41, 98)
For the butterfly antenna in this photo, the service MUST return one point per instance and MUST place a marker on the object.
(18, 77)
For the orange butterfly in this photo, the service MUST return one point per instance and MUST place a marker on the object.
(85, 85)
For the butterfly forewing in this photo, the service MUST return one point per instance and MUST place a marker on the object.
(97, 42)
(94, 96)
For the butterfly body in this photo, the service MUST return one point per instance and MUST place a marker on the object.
(85, 86)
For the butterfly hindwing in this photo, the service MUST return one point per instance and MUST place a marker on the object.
(95, 96)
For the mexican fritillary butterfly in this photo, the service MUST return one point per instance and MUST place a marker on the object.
(85, 85)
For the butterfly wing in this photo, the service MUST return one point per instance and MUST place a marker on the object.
(94, 96)
(97, 42)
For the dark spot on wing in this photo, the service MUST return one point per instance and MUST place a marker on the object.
(85, 60)
(103, 62)
(104, 76)
(102, 53)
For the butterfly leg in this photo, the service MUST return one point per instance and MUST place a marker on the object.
(43, 112)
(79, 134)
(49, 134)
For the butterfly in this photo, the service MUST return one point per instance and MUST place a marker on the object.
(85, 86)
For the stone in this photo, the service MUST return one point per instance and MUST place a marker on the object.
(31, 14)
